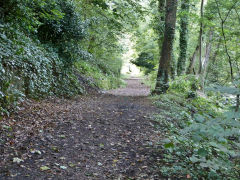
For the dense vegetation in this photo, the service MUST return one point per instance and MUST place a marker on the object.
(198, 79)
(57, 47)
(219, 42)
(188, 49)
(202, 132)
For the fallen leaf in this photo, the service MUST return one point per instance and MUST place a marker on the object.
(63, 167)
(44, 168)
(62, 158)
(101, 145)
(71, 164)
(55, 148)
(17, 160)
(35, 151)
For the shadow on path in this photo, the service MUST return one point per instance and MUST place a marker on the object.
(105, 136)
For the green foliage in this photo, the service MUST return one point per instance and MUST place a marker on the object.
(184, 84)
(69, 26)
(9, 97)
(146, 43)
(99, 77)
(29, 68)
(46, 44)
(183, 36)
(65, 33)
(203, 137)
(28, 14)
(145, 60)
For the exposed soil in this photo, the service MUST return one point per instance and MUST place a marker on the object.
(103, 136)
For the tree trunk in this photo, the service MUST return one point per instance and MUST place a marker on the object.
(207, 54)
(214, 57)
(183, 37)
(166, 51)
(173, 65)
(161, 10)
(206, 59)
(193, 61)
(200, 39)
(237, 103)
(161, 7)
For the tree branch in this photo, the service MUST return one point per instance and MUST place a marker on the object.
(237, 15)
(224, 36)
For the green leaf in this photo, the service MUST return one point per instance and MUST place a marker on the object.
(7, 127)
(169, 145)
(196, 137)
(199, 118)
(194, 159)
(202, 152)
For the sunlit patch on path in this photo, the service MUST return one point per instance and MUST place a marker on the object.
(134, 87)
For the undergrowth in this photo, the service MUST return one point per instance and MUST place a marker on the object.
(202, 134)
(100, 79)
(46, 50)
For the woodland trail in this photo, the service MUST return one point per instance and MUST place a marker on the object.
(103, 136)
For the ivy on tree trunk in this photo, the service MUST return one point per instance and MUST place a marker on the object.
(161, 10)
(200, 38)
(167, 47)
(183, 37)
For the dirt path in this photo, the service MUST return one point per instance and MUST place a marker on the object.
(106, 136)
(134, 87)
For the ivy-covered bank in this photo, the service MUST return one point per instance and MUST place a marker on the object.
(202, 132)
(54, 48)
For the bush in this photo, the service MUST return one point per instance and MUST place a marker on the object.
(203, 138)
(185, 84)
(27, 68)
(44, 45)
(105, 80)
(146, 61)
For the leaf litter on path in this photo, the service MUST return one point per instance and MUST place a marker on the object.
(103, 136)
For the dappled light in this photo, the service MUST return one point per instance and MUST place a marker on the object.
(128, 68)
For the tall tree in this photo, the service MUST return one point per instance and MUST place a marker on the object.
(167, 47)
(161, 10)
(183, 37)
(200, 39)
(193, 60)
(206, 59)
(223, 20)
